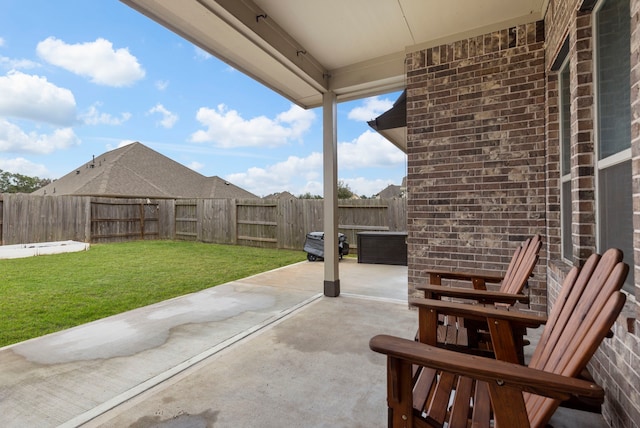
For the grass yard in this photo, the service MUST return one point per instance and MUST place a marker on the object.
(44, 294)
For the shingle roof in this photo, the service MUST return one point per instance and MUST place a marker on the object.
(136, 170)
(280, 195)
(393, 191)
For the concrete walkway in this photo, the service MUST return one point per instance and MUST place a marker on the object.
(268, 351)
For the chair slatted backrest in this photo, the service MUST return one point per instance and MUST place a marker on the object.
(521, 266)
(587, 307)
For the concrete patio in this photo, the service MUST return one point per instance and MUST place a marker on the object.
(264, 351)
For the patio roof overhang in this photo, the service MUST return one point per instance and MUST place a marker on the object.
(355, 48)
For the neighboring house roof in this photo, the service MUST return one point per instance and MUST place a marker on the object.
(281, 195)
(394, 191)
(390, 192)
(136, 170)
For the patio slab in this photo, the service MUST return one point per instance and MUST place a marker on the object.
(70, 377)
(269, 350)
(313, 368)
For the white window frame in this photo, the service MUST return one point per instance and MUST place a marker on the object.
(564, 178)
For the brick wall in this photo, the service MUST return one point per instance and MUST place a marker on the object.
(616, 365)
(484, 167)
(476, 153)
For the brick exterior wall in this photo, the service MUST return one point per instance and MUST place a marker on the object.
(484, 167)
(616, 365)
(476, 153)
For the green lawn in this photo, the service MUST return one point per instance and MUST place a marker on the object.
(40, 295)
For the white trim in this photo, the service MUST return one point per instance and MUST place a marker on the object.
(614, 159)
(566, 177)
(596, 119)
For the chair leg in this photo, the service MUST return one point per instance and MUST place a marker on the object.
(399, 393)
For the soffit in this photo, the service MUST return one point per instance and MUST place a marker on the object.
(355, 48)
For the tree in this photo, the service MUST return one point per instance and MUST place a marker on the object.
(308, 195)
(18, 183)
(344, 192)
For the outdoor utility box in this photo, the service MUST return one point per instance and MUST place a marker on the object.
(388, 248)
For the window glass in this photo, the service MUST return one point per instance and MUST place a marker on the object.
(565, 119)
(613, 53)
(614, 190)
(567, 244)
(616, 221)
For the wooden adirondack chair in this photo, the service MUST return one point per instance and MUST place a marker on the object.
(511, 284)
(422, 379)
(469, 335)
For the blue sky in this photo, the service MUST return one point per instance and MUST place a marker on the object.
(79, 78)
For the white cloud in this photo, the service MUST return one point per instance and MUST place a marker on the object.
(161, 85)
(196, 166)
(1, 42)
(367, 187)
(201, 54)
(369, 150)
(372, 108)
(94, 117)
(301, 175)
(168, 119)
(125, 143)
(24, 167)
(33, 97)
(296, 175)
(226, 128)
(14, 139)
(97, 60)
(16, 64)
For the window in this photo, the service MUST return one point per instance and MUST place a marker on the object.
(564, 91)
(614, 194)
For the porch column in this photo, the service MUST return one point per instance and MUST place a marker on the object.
(330, 167)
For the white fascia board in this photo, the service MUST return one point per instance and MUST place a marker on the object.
(373, 77)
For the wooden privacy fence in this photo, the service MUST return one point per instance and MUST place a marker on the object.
(252, 222)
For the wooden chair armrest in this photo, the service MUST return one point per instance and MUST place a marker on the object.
(478, 280)
(465, 276)
(477, 312)
(483, 296)
(485, 369)
(506, 328)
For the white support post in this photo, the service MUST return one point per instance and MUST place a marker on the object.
(330, 167)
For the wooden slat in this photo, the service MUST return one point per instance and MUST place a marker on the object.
(481, 417)
(438, 407)
(460, 409)
(508, 406)
(502, 340)
(427, 326)
(423, 388)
